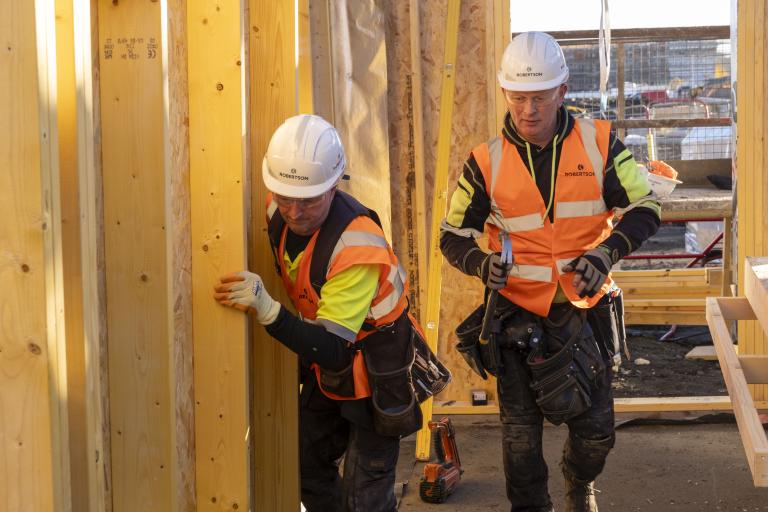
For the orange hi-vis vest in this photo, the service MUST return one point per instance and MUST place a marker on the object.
(581, 219)
(361, 242)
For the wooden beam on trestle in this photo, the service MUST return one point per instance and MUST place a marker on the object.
(34, 457)
(218, 178)
(274, 389)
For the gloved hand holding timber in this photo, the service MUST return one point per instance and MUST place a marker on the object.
(245, 291)
(590, 271)
(493, 272)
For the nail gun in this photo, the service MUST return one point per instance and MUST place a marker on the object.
(441, 478)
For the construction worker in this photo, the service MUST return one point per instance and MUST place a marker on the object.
(552, 184)
(347, 286)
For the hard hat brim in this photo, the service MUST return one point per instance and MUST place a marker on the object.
(509, 85)
(295, 191)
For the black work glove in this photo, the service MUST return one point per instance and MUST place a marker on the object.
(591, 270)
(493, 272)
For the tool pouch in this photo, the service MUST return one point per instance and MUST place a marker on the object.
(341, 383)
(562, 381)
(397, 359)
(477, 356)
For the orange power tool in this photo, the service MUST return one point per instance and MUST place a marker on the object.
(441, 478)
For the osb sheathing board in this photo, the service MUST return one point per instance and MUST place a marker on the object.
(460, 294)
(752, 182)
(135, 249)
(26, 422)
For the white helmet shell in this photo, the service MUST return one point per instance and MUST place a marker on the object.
(305, 158)
(532, 61)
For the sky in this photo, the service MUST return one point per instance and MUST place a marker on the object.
(550, 15)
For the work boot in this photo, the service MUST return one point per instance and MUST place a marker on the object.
(579, 495)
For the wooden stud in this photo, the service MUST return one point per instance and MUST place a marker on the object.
(274, 370)
(66, 112)
(418, 270)
(621, 405)
(178, 240)
(98, 453)
(305, 92)
(218, 178)
(33, 454)
(439, 198)
(135, 203)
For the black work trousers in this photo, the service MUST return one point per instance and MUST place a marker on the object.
(327, 436)
(591, 435)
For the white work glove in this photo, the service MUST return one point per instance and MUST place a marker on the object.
(591, 270)
(245, 291)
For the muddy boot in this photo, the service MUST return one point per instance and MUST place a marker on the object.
(579, 495)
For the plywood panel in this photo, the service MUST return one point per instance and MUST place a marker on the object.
(135, 253)
(29, 432)
(272, 99)
(218, 187)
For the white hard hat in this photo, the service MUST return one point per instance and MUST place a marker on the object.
(532, 61)
(305, 158)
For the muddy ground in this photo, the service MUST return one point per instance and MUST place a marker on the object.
(672, 466)
(662, 464)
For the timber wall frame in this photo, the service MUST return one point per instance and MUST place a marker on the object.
(117, 367)
(741, 371)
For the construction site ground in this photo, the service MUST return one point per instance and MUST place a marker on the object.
(671, 462)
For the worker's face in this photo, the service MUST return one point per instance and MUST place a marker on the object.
(305, 216)
(534, 113)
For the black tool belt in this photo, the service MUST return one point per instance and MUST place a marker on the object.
(402, 372)
(565, 366)
(512, 328)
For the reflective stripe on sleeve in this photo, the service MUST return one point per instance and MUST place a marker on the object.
(463, 232)
(357, 239)
(388, 303)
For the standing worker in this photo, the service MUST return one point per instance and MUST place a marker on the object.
(552, 184)
(352, 326)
